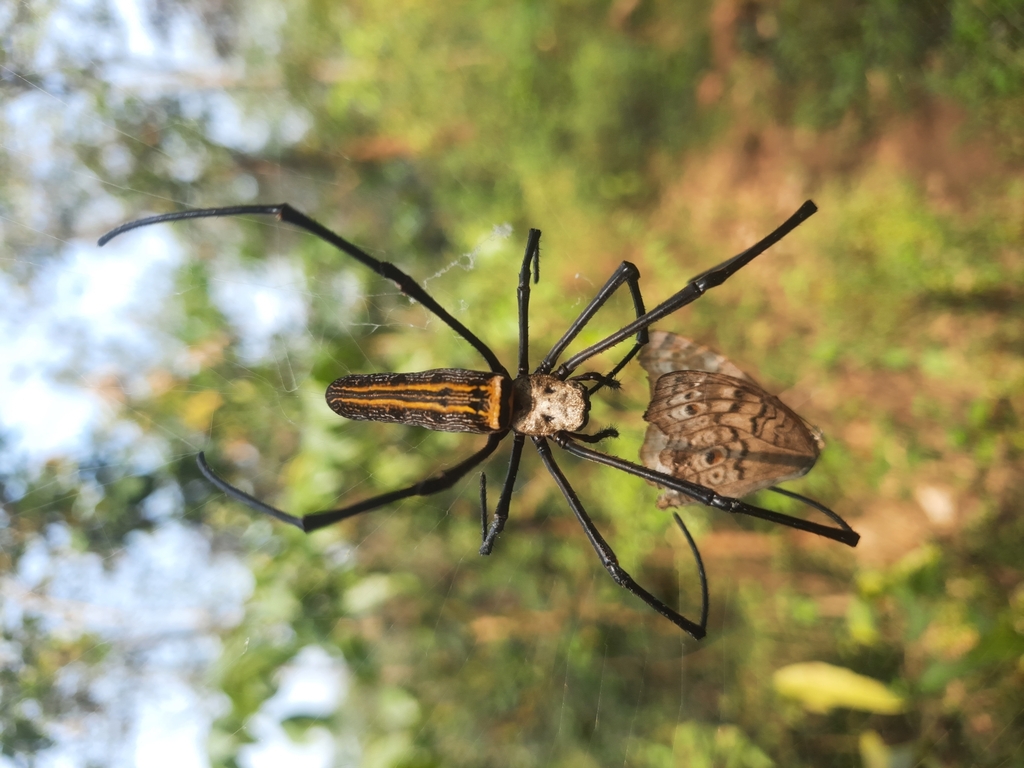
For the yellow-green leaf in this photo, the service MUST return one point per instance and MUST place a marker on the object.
(821, 687)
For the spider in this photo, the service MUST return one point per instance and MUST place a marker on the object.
(548, 405)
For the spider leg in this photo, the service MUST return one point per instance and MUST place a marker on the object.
(504, 501)
(286, 213)
(530, 258)
(489, 534)
(843, 534)
(693, 290)
(611, 562)
(809, 502)
(700, 570)
(625, 274)
(439, 482)
(597, 437)
(483, 505)
(600, 378)
(608, 379)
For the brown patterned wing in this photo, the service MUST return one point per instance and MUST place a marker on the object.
(668, 352)
(724, 433)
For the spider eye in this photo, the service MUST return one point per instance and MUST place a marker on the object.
(549, 390)
(548, 418)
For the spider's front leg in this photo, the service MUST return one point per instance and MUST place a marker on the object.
(843, 533)
(693, 290)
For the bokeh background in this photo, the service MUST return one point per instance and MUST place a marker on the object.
(148, 620)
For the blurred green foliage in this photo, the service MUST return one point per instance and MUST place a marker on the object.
(672, 135)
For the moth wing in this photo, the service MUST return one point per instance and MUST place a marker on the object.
(724, 433)
(669, 352)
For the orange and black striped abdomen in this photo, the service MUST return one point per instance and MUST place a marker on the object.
(445, 399)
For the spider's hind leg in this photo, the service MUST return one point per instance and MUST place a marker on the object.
(443, 480)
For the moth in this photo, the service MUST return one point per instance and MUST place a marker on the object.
(712, 424)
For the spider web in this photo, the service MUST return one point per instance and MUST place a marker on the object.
(170, 624)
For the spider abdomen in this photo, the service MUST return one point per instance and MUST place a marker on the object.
(444, 399)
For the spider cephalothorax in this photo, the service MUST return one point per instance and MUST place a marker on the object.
(543, 405)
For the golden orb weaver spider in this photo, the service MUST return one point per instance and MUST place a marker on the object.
(548, 403)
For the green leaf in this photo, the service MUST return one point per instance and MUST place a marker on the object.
(822, 687)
